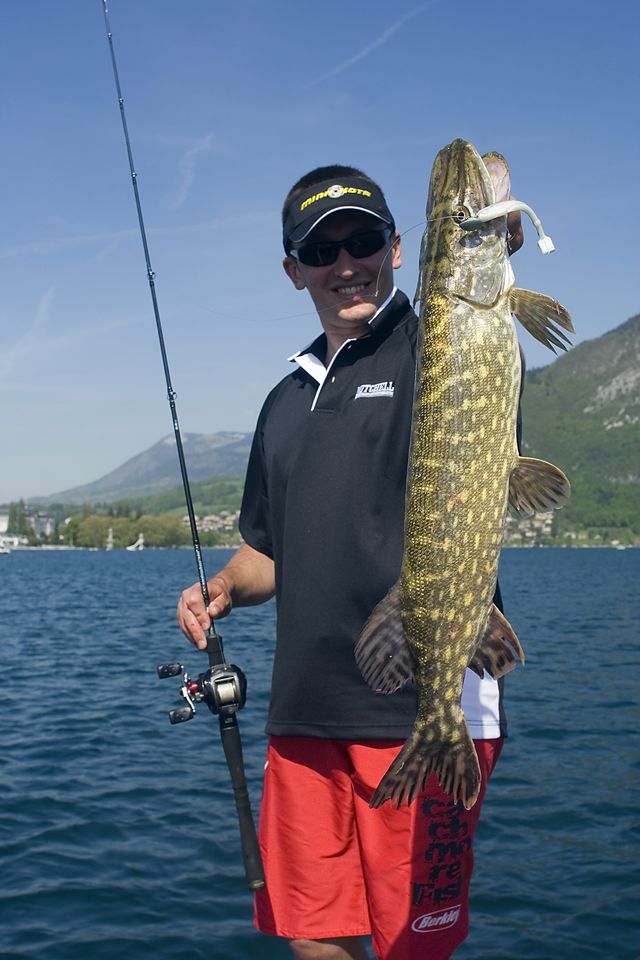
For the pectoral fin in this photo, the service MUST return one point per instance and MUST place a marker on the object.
(381, 649)
(542, 317)
(535, 485)
(496, 653)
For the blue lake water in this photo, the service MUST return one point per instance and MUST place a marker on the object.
(117, 830)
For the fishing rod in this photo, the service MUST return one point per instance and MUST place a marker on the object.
(223, 686)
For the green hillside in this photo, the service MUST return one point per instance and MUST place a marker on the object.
(212, 496)
(582, 412)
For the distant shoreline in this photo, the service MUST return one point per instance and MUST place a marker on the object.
(63, 548)
(52, 548)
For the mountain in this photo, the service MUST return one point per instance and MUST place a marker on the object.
(157, 469)
(582, 412)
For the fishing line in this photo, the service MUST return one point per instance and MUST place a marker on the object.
(421, 223)
(317, 312)
(223, 686)
(390, 251)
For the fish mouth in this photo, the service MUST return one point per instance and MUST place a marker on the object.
(460, 183)
(468, 264)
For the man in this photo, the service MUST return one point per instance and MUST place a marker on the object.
(322, 519)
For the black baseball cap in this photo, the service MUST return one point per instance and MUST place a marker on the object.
(305, 212)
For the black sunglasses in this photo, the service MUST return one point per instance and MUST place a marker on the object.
(326, 252)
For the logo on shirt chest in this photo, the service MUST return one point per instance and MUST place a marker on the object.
(384, 389)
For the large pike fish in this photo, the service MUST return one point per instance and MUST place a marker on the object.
(464, 467)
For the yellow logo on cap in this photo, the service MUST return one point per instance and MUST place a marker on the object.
(334, 192)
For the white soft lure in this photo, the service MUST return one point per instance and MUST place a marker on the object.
(501, 209)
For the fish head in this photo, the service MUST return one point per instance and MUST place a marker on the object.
(470, 264)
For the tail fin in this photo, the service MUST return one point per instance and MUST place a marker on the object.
(454, 761)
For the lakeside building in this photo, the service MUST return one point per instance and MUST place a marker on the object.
(223, 522)
(41, 524)
(528, 531)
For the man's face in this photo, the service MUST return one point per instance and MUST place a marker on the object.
(347, 293)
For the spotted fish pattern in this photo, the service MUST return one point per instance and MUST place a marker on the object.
(464, 467)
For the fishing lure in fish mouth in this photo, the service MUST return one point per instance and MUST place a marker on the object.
(501, 209)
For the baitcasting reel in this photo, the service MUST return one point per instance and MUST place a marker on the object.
(222, 687)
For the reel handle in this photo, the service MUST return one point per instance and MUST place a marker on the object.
(169, 670)
(181, 714)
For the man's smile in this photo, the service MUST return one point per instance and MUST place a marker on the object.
(353, 290)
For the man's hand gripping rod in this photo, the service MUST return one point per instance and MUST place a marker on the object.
(223, 686)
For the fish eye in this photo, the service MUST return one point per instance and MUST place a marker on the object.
(460, 213)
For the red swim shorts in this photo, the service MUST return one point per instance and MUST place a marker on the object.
(336, 868)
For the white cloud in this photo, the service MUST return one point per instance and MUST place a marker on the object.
(188, 163)
(30, 339)
(64, 243)
(113, 238)
(375, 44)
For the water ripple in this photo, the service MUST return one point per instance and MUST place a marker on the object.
(117, 831)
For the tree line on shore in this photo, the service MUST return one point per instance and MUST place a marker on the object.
(594, 515)
(117, 525)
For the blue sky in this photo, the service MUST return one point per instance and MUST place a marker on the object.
(227, 105)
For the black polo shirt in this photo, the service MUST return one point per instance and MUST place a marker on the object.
(324, 497)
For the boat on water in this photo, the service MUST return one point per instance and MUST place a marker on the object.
(138, 545)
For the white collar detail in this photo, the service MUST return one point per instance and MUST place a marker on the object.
(315, 367)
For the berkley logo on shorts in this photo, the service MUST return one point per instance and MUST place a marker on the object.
(438, 920)
(384, 389)
(334, 192)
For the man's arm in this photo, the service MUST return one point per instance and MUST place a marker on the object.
(247, 579)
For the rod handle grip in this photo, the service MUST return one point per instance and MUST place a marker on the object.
(253, 868)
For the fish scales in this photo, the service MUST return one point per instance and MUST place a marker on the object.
(439, 618)
(453, 536)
